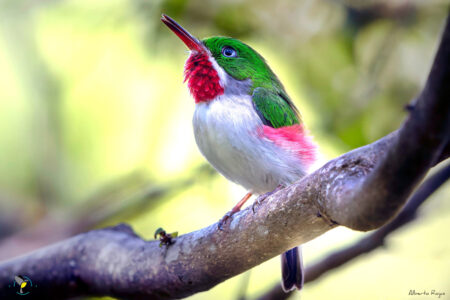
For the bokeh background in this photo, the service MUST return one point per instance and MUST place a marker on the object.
(95, 122)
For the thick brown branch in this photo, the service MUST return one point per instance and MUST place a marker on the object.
(370, 242)
(362, 189)
(377, 238)
(367, 202)
(116, 262)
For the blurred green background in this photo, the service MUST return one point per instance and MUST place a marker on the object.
(95, 122)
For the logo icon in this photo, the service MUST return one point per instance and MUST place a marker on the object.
(22, 284)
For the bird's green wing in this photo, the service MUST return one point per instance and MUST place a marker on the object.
(274, 109)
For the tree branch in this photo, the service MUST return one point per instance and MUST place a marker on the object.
(362, 189)
(370, 242)
(367, 202)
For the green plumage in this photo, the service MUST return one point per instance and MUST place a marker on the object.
(274, 108)
(271, 100)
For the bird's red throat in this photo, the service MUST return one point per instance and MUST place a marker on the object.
(203, 80)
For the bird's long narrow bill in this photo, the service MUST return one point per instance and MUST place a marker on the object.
(191, 42)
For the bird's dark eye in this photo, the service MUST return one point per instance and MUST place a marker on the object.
(229, 51)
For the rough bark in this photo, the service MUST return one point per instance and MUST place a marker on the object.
(370, 242)
(362, 189)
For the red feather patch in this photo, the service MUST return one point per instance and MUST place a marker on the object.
(293, 139)
(202, 78)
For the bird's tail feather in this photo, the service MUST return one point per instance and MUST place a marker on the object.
(292, 269)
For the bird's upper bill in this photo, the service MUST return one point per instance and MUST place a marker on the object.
(191, 42)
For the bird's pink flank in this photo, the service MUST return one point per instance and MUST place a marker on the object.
(293, 139)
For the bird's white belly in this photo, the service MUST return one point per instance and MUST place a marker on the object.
(226, 132)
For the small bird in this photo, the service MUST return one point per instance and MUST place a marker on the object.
(246, 125)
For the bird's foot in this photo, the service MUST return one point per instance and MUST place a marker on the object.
(263, 197)
(225, 219)
(235, 209)
(259, 200)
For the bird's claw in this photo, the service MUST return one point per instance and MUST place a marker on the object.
(235, 209)
(263, 197)
(224, 220)
(258, 201)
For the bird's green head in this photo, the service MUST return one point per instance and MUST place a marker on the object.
(216, 63)
(239, 60)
